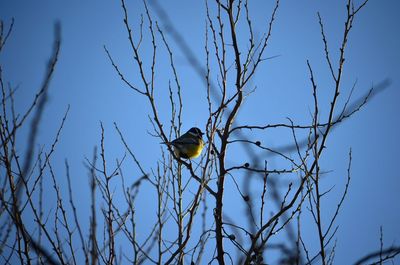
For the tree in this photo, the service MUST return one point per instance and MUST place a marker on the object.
(191, 223)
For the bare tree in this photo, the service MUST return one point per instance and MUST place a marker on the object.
(191, 223)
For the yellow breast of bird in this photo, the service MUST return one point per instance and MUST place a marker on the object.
(191, 150)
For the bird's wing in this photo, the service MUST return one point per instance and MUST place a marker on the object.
(184, 141)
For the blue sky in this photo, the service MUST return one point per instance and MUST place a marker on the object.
(85, 80)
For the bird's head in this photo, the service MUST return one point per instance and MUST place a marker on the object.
(196, 132)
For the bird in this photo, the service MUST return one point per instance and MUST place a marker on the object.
(189, 145)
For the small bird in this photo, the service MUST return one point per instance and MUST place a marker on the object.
(189, 145)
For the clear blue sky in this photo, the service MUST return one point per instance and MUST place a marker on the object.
(85, 79)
